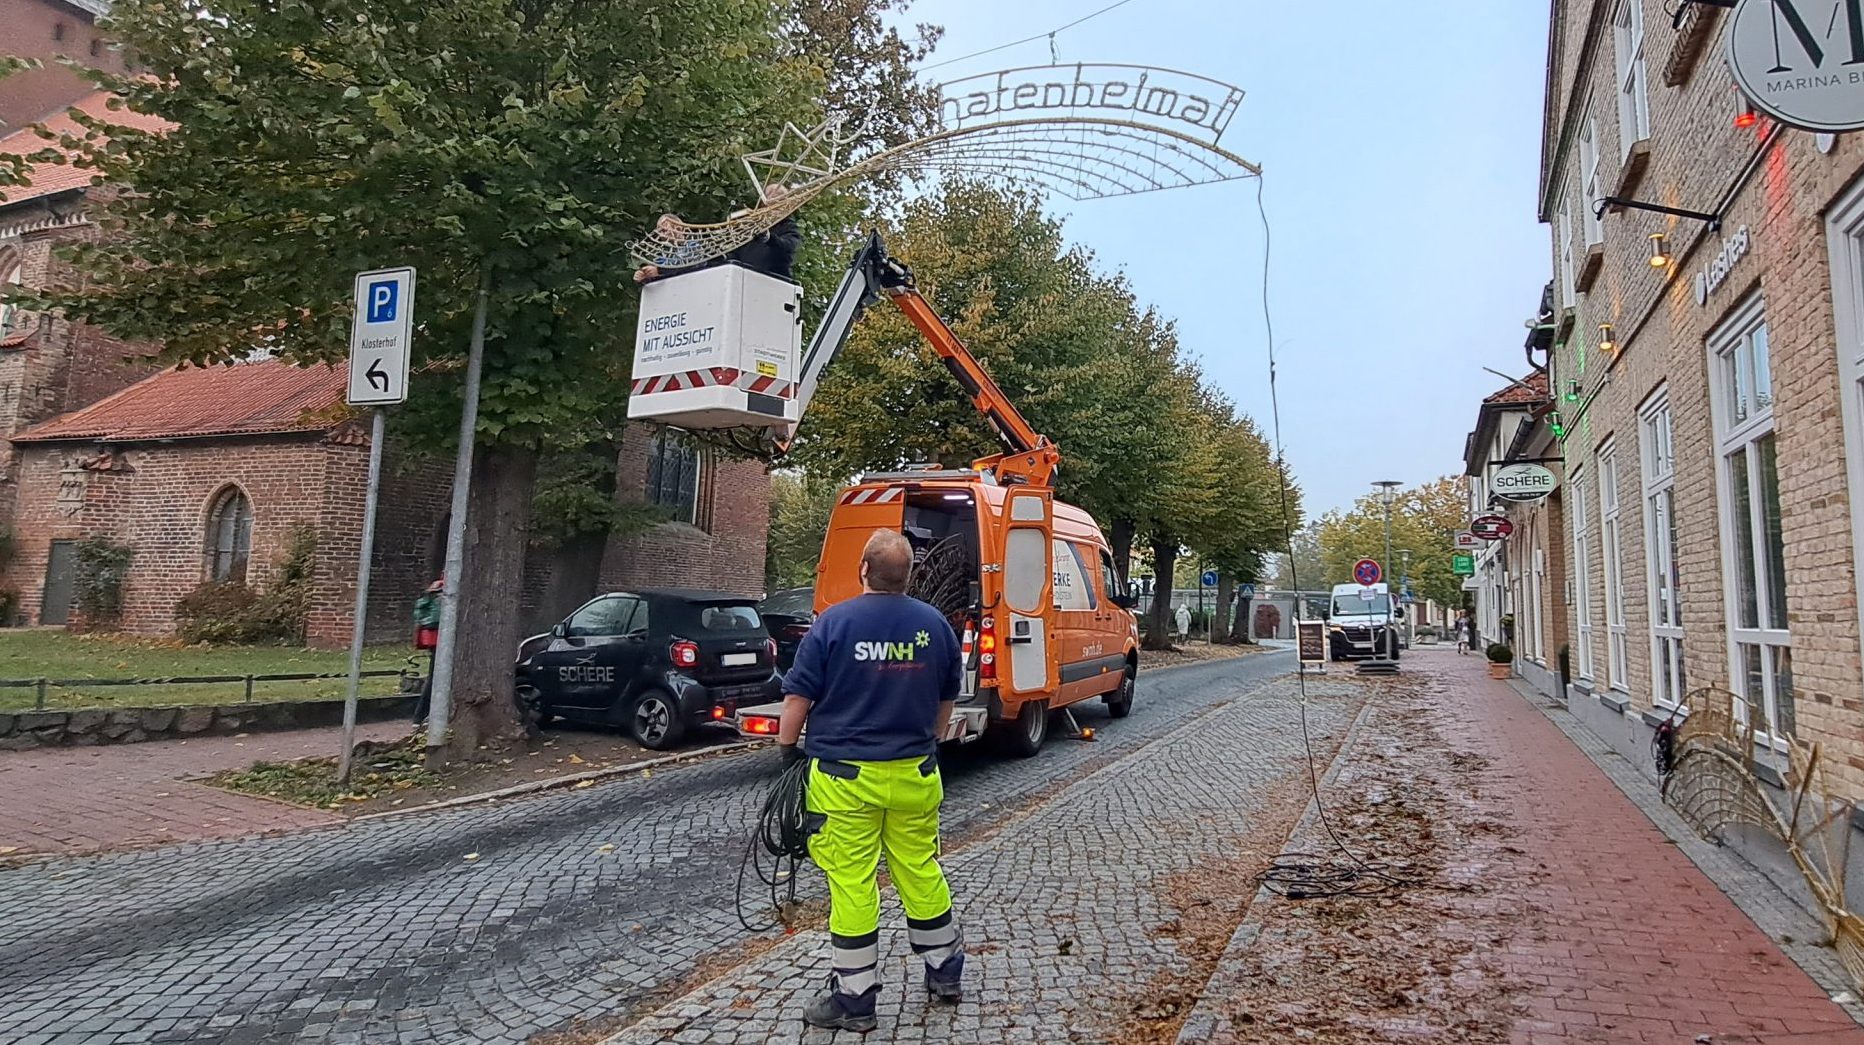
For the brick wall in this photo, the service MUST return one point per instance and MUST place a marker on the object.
(725, 552)
(48, 30)
(156, 499)
(1697, 160)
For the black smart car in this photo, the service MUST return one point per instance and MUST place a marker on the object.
(788, 614)
(656, 661)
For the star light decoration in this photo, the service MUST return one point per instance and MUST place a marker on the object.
(1079, 153)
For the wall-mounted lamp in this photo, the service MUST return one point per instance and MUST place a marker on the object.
(1659, 256)
(1745, 116)
(1572, 391)
(1608, 342)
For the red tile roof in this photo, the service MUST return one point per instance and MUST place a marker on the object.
(49, 178)
(259, 398)
(1535, 392)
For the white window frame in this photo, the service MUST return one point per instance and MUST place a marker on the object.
(1657, 452)
(1617, 638)
(1845, 240)
(1590, 193)
(1582, 573)
(1633, 76)
(1569, 293)
(1733, 387)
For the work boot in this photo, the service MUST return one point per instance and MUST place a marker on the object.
(836, 1011)
(946, 983)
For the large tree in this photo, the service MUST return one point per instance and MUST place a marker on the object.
(1424, 522)
(510, 148)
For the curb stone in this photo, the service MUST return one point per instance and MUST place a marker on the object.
(1202, 1024)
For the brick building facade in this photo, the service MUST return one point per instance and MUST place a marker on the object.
(101, 441)
(1708, 385)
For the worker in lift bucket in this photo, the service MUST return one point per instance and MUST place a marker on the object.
(875, 679)
(772, 252)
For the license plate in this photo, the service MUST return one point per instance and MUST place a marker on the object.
(735, 660)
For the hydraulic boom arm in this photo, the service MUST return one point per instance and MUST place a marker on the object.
(1027, 457)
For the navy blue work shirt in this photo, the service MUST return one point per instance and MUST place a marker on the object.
(875, 669)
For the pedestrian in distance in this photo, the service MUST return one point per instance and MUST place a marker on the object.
(1462, 631)
(427, 637)
(874, 680)
(772, 252)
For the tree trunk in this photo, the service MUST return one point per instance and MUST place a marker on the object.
(1164, 558)
(1219, 623)
(1121, 541)
(1239, 627)
(497, 530)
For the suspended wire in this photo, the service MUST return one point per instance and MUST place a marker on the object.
(1299, 875)
(1027, 39)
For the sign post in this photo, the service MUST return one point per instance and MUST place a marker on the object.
(1311, 637)
(378, 377)
(1207, 579)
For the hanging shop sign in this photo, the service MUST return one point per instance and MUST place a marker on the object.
(1467, 542)
(1463, 564)
(1522, 482)
(1715, 273)
(1491, 527)
(1801, 62)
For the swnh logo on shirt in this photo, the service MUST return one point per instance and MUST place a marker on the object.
(884, 651)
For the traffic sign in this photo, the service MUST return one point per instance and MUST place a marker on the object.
(1467, 542)
(1209, 578)
(1463, 564)
(381, 337)
(1491, 527)
(1247, 591)
(1368, 572)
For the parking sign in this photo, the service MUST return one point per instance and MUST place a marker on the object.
(381, 336)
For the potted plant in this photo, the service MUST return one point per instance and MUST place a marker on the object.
(1501, 661)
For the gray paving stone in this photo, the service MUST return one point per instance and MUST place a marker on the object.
(388, 910)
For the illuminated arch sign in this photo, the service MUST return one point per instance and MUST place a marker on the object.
(1165, 98)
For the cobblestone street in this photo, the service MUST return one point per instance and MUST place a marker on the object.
(384, 931)
(1107, 890)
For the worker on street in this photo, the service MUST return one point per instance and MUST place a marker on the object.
(875, 679)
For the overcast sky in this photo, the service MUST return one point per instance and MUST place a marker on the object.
(1401, 147)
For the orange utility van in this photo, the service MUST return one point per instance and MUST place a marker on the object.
(1027, 581)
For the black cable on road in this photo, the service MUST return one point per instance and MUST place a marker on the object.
(778, 845)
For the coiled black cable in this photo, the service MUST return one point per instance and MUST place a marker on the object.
(778, 844)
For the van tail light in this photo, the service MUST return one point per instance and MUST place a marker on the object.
(762, 725)
(684, 654)
(987, 652)
(770, 650)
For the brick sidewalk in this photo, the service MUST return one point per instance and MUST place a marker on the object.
(73, 800)
(1576, 919)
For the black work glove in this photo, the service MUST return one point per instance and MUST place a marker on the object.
(790, 754)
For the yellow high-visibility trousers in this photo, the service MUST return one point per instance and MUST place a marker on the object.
(864, 809)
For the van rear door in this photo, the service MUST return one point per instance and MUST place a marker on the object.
(1028, 585)
(859, 511)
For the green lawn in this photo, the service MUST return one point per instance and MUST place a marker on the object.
(62, 655)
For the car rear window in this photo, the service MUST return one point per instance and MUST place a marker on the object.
(795, 602)
(729, 618)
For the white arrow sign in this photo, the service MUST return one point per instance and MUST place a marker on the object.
(381, 337)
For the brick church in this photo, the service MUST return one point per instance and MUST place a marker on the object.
(207, 474)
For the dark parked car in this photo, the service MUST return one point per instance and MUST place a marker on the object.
(788, 614)
(657, 662)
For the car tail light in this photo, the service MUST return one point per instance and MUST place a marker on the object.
(718, 712)
(761, 725)
(684, 654)
(770, 649)
(987, 651)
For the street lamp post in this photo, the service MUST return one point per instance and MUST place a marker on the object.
(1388, 492)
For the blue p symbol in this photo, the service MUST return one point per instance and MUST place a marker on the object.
(382, 301)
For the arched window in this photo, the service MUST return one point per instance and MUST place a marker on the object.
(229, 536)
(12, 317)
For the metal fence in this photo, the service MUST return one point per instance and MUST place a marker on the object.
(42, 685)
